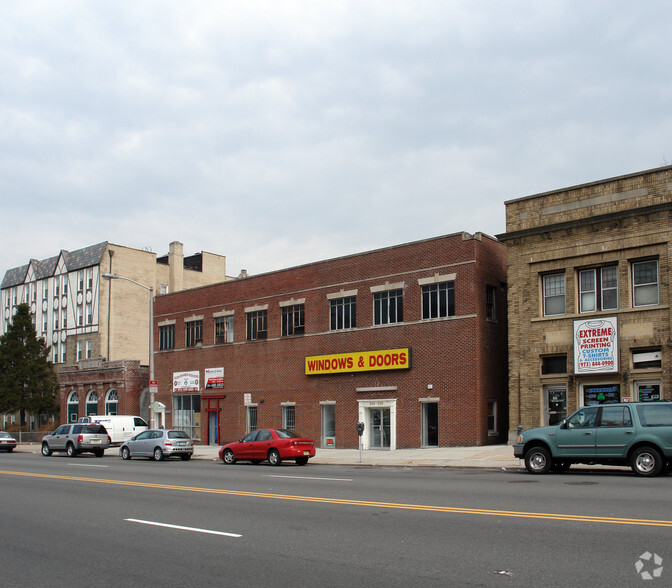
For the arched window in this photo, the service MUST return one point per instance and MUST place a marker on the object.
(73, 407)
(92, 403)
(111, 402)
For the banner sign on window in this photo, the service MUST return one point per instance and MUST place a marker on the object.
(595, 346)
(186, 381)
(214, 378)
(359, 361)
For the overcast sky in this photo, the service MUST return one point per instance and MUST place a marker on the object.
(279, 133)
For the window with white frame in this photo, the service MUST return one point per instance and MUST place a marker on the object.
(251, 418)
(343, 313)
(598, 289)
(645, 283)
(89, 349)
(79, 351)
(288, 417)
(438, 300)
(89, 313)
(388, 307)
(89, 278)
(554, 294)
(80, 315)
(80, 280)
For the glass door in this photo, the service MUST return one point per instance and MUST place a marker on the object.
(379, 427)
(556, 404)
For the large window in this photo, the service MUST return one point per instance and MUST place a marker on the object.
(166, 337)
(388, 307)
(598, 289)
(257, 324)
(554, 294)
(187, 414)
(194, 333)
(438, 300)
(645, 283)
(292, 320)
(343, 313)
(223, 329)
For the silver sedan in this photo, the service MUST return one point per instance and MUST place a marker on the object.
(158, 444)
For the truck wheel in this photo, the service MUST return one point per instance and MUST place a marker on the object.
(646, 461)
(45, 450)
(70, 450)
(538, 460)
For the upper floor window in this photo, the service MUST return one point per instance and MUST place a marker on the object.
(438, 300)
(194, 333)
(343, 313)
(89, 278)
(57, 285)
(554, 364)
(388, 307)
(223, 329)
(80, 280)
(45, 290)
(598, 289)
(257, 324)
(292, 320)
(89, 313)
(554, 294)
(166, 337)
(645, 283)
(490, 292)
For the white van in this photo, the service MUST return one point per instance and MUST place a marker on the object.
(120, 427)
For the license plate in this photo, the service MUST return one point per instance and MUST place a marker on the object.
(182, 443)
(94, 441)
(306, 453)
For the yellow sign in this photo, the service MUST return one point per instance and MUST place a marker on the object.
(359, 361)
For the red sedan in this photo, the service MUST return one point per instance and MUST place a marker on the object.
(271, 444)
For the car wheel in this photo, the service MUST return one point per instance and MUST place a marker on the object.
(228, 458)
(185, 456)
(70, 450)
(99, 452)
(274, 457)
(45, 450)
(158, 454)
(538, 460)
(125, 453)
(646, 461)
(301, 460)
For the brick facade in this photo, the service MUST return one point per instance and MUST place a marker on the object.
(458, 363)
(621, 224)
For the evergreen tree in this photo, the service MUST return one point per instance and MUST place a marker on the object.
(28, 381)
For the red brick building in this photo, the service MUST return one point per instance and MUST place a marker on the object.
(410, 339)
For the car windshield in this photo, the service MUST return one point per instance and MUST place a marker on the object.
(177, 435)
(287, 434)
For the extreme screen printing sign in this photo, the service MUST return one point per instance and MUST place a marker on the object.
(595, 346)
(359, 361)
(186, 381)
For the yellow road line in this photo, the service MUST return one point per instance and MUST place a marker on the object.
(367, 503)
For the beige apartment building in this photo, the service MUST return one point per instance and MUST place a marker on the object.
(589, 296)
(97, 328)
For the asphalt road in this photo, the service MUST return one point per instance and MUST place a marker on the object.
(104, 522)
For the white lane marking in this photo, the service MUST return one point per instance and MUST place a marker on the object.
(88, 465)
(179, 527)
(311, 478)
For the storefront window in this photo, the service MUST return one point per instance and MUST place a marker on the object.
(187, 414)
(601, 394)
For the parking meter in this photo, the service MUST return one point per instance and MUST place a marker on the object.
(360, 429)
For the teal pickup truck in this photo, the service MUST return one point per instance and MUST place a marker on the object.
(638, 434)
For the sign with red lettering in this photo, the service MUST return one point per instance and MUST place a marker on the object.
(596, 346)
(186, 381)
(359, 361)
(214, 378)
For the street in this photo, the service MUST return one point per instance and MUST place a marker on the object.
(104, 522)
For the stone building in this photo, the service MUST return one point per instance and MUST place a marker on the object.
(410, 340)
(99, 326)
(589, 296)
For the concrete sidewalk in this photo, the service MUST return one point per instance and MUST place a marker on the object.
(490, 456)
